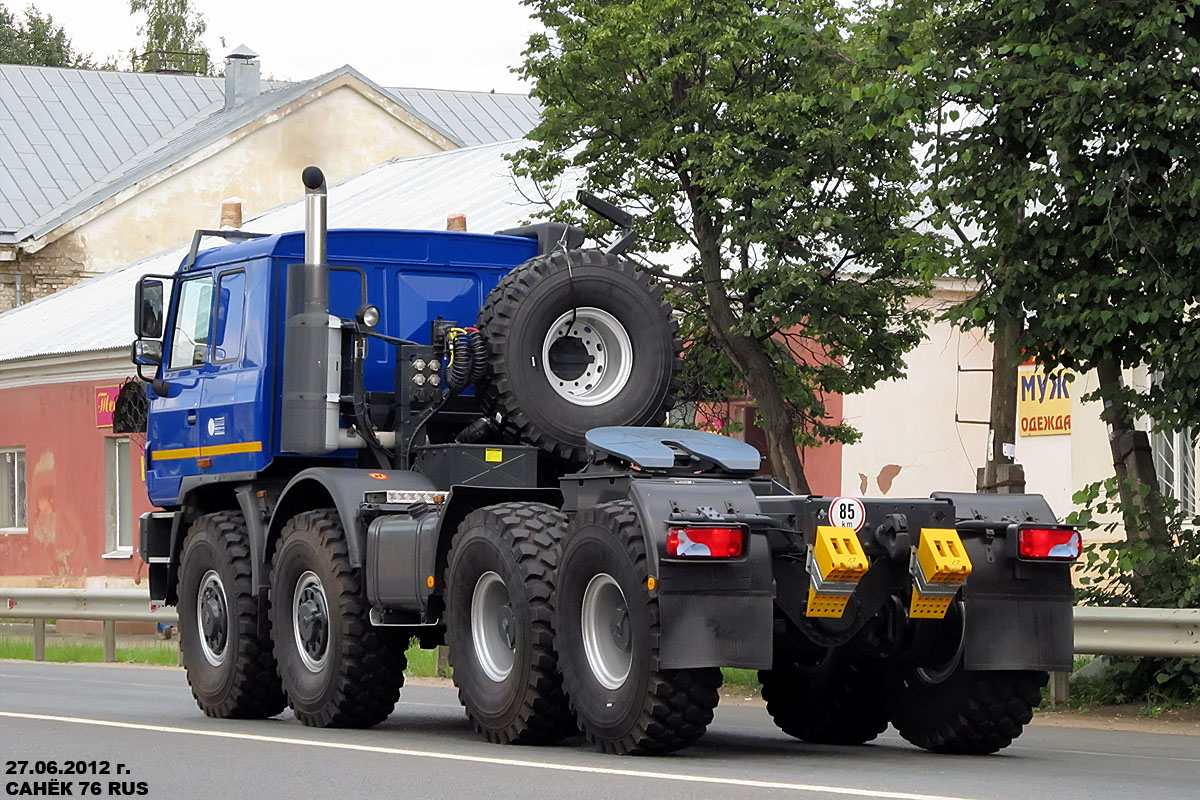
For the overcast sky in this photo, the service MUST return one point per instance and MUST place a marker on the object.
(454, 44)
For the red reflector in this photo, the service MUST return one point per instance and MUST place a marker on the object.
(1054, 544)
(704, 542)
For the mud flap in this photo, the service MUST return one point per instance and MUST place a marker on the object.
(1019, 615)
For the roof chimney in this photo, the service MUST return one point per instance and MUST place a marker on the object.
(241, 76)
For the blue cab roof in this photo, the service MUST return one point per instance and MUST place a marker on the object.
(367, 245)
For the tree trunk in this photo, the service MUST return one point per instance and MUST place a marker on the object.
(752, 361)
(1132, 461)
(997, 472)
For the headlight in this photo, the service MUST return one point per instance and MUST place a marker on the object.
(367, 316)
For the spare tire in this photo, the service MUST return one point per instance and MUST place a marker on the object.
(577, 339)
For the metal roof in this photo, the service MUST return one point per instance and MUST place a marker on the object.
(63, 130)
(71, 138)
(415, 193)
(475, 117)
(188, 138)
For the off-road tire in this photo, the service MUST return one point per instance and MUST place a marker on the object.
(359, 682)
(516, 319)
(827, 702)
(970, 712)
(518, 542)
(245, 685)
(654, 710)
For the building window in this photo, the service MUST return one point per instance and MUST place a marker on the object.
(120, 497)
(12, 490)
(1175, 462)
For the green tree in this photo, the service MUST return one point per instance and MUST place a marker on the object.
(771, 141)
(1070, 148)
(37, 41)
(172, 36)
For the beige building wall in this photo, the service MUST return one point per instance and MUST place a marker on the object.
(919, 433)
(911, 442)
(340, 129)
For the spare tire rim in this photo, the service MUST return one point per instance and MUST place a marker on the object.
(493, 627)
(588, 356)
(607, 639)
(212, 618)
(310, 621)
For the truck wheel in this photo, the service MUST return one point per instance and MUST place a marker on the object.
(826, 701)
(499, 584)
(230, 666)
(966, 712)
(577, 340)
(608, 639)
(338, 670)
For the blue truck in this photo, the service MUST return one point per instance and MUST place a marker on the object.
(363, 438)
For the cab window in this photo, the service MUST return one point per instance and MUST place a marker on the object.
(189, 340)
(231, 309)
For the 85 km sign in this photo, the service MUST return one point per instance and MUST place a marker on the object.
(848, 512)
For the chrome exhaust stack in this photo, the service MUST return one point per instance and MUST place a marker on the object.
(312, 347)
(316, 269)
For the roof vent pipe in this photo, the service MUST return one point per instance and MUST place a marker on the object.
(241, 76)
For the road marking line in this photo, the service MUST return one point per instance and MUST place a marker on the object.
(1120, 755)
(86, 680)
(499, 762)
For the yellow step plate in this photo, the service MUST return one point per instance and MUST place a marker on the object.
(839, 555)
(925, 607)
(825, 605)
(942, 557)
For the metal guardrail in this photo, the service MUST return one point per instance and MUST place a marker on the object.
(1160, 632)
(109, 605)
(1157, 632)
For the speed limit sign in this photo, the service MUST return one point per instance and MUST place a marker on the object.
(847, 512)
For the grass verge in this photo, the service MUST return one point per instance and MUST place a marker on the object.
(21, 647)
(421, 663)
(740, 678)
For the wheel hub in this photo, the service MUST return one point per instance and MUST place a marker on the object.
(310, 621)
(493, 627)
(607, 634)
(212, 618)
(588, 356)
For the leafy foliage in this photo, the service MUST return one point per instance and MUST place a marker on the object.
(1069, 152)
(172, 27)
(1136, 573)
(771, 141)
(35, 40)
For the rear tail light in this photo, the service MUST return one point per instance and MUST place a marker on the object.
(1046, 543)
(704, 542)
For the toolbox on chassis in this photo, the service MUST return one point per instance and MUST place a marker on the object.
(362, 437)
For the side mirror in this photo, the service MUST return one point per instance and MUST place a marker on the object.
(147, 352)
(148, 310)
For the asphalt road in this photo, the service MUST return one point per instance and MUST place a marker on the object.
(144, 720)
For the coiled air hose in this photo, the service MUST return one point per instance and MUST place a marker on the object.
(479, 356)
(458, 371)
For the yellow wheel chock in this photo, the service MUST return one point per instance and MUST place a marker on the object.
(835, 564)
(939, 568)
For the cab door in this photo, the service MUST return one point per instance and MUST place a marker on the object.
(172, 428)
(232, 413)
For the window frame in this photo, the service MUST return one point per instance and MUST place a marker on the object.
(23, 460)
(212, 320)
(179, 289)
(118, 504)
(1181, 483)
